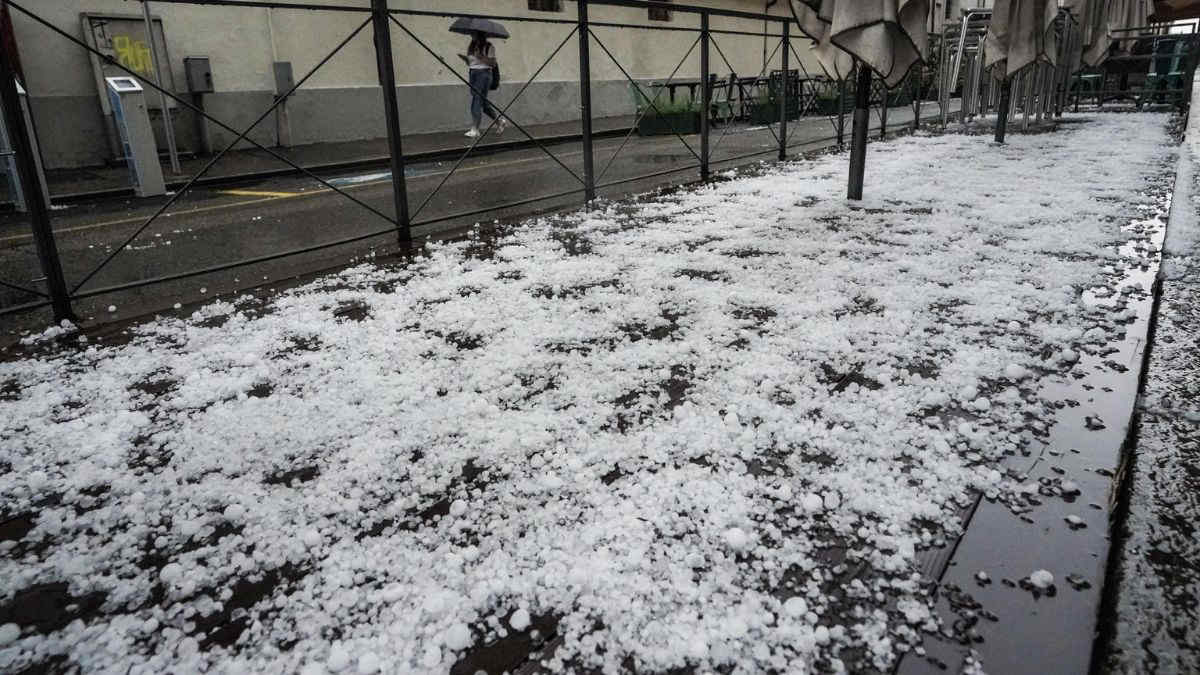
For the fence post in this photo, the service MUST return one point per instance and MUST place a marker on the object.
(785, 80)
(387, 80)
(35, 198)
(585, 100)
(705, 97)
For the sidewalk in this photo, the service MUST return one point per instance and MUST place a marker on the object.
(68, 184)
(706, 429)
(1158, 568)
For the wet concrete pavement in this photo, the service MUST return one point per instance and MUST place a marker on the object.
(1071, 469)
(214, 225)
(1155, 619)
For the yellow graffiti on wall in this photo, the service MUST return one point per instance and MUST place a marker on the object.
(133, 54)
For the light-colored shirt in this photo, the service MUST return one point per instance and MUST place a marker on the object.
(475, 58)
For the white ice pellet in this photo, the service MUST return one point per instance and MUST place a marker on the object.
(170, 573)
(812, 503)
(338, 659)
(457, 637)
(1015, 371)
(432, 656)
(368, 664)
(9, 633)
(234, 512)
(832, 500)
(736, 538)
(822, 635)
(1041, 579)
(311, 538)
(112, 308)
(458, 508)
(520, 619)
(981, 404)
(796, 607)
(1069, 487)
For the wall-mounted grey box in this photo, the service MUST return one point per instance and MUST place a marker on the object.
(283, 77)
(199, 74)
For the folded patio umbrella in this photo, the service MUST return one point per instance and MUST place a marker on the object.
(885, 36)
(469, 25)
(1020, 34)
(889, 36)
(815, 21)
(1095, 37)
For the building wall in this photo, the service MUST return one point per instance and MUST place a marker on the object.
(342, 100)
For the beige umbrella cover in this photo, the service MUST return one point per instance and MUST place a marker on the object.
(887, 35)
(1021, 33)
(1095, 37)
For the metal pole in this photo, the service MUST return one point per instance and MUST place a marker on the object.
(391, 112)
(1003, 109)
(785, 82)
(585, 101)
(862, 121)
(705, 96)
(35, 199)
(155, 66)
(841, 124)
(883, 112)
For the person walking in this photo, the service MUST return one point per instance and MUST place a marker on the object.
(481, 62)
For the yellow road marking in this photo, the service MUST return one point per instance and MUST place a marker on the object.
(274, 196)
(257, 193)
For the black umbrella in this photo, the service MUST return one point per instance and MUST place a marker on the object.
(469, 26)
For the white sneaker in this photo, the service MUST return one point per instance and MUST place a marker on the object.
(472, 133)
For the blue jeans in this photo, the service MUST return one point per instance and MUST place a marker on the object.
(481, 82)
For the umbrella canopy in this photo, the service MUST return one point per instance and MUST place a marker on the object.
(1095, 37)
(889, 36)
(1020, 34)
(469, 26)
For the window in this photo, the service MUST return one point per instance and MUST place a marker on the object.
(660, 13)
(546, 5)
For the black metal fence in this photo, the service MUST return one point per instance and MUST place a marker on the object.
(769, 98)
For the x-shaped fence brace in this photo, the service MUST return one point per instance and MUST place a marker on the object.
(502, 113)
(240, 137)
(766, 65)
(30, 291)
(641, 97)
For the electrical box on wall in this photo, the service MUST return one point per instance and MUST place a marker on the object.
(283, 77)
(199, 74)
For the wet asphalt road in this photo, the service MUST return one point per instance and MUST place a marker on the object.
(213, 226)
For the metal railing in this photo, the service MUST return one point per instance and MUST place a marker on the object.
(385, 24)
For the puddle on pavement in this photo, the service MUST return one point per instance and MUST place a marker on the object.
(1053, 528)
